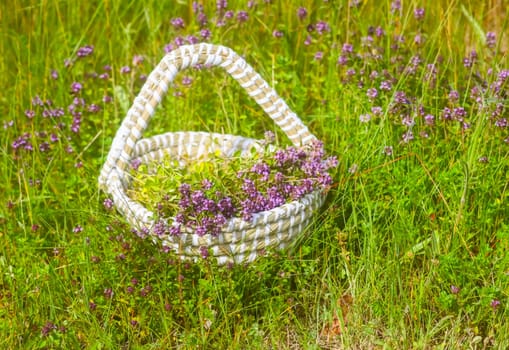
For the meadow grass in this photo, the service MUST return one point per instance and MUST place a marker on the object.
(410, 249)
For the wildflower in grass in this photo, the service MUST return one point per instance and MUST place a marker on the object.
(242, 16)
(418, 39)
(454, 289)
(429, 119)
(125, 70)
(347, 48)
(108, 293)
(372, 93)
(277, 33)
(85, 51)
(177, 23)
(453, 96)
(191, 39)
(47, 328)
(388, 150)
(376, 111)
(54, 74)
(187, 81)
(395, 5)
(76, 87)
(459, 113)
(107, 99)
(205, 34)
(491, 39)
(495, 303)
(365, 118)
(229, 14)
(202, 19)
(221, 5)
(138, 60)
(483, 159)
(342, 60)
(322, 27)
(302, 13)
(318, 55)
(386, 85)
(407, 136)
(77, 229)
(408, 121)
(29, 113)
(419, 13)
(308, 40)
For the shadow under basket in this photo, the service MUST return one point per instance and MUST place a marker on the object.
(239, 240)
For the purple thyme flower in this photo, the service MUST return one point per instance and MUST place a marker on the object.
(419, 13)
(318, 55)
(76, 87)
(408, 136)
(386, 85)
(108, 293)
(322, 27)
(491, 39)
(376, 110)
(302, 13)
(495, 303)
(396, 5)
(221, 5)
(365, 118)
(177, 23)
(372, 93)
(108, 203)
(85, 51)
(242, 16)
(429, 119)
(205, 34)
(347, 48)
(388, 150)
(342, 60)
(277, 33)
(125, 70)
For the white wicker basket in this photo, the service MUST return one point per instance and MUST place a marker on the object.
(239, 241)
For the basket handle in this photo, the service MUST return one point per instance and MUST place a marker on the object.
(164, 73)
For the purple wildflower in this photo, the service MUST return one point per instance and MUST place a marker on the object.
(491, 39)
(429, 119)
(318, 55)
(108, 293)
(277, 33)
(372, 93)
(54, 74)
(302, 13)
(365, 118)
(388, 150)
(495, 303)
(347, 48)
(205, 34)
(85, 51)
(76, 87)
(419, 13)
(454, 289)
(125, 70)
(242, 16)
(177, 23)
(322, 27)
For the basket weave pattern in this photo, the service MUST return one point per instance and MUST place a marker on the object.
(239, 241)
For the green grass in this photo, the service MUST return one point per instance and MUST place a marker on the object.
(409, 252)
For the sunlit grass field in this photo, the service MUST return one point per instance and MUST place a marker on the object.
(410, 250)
